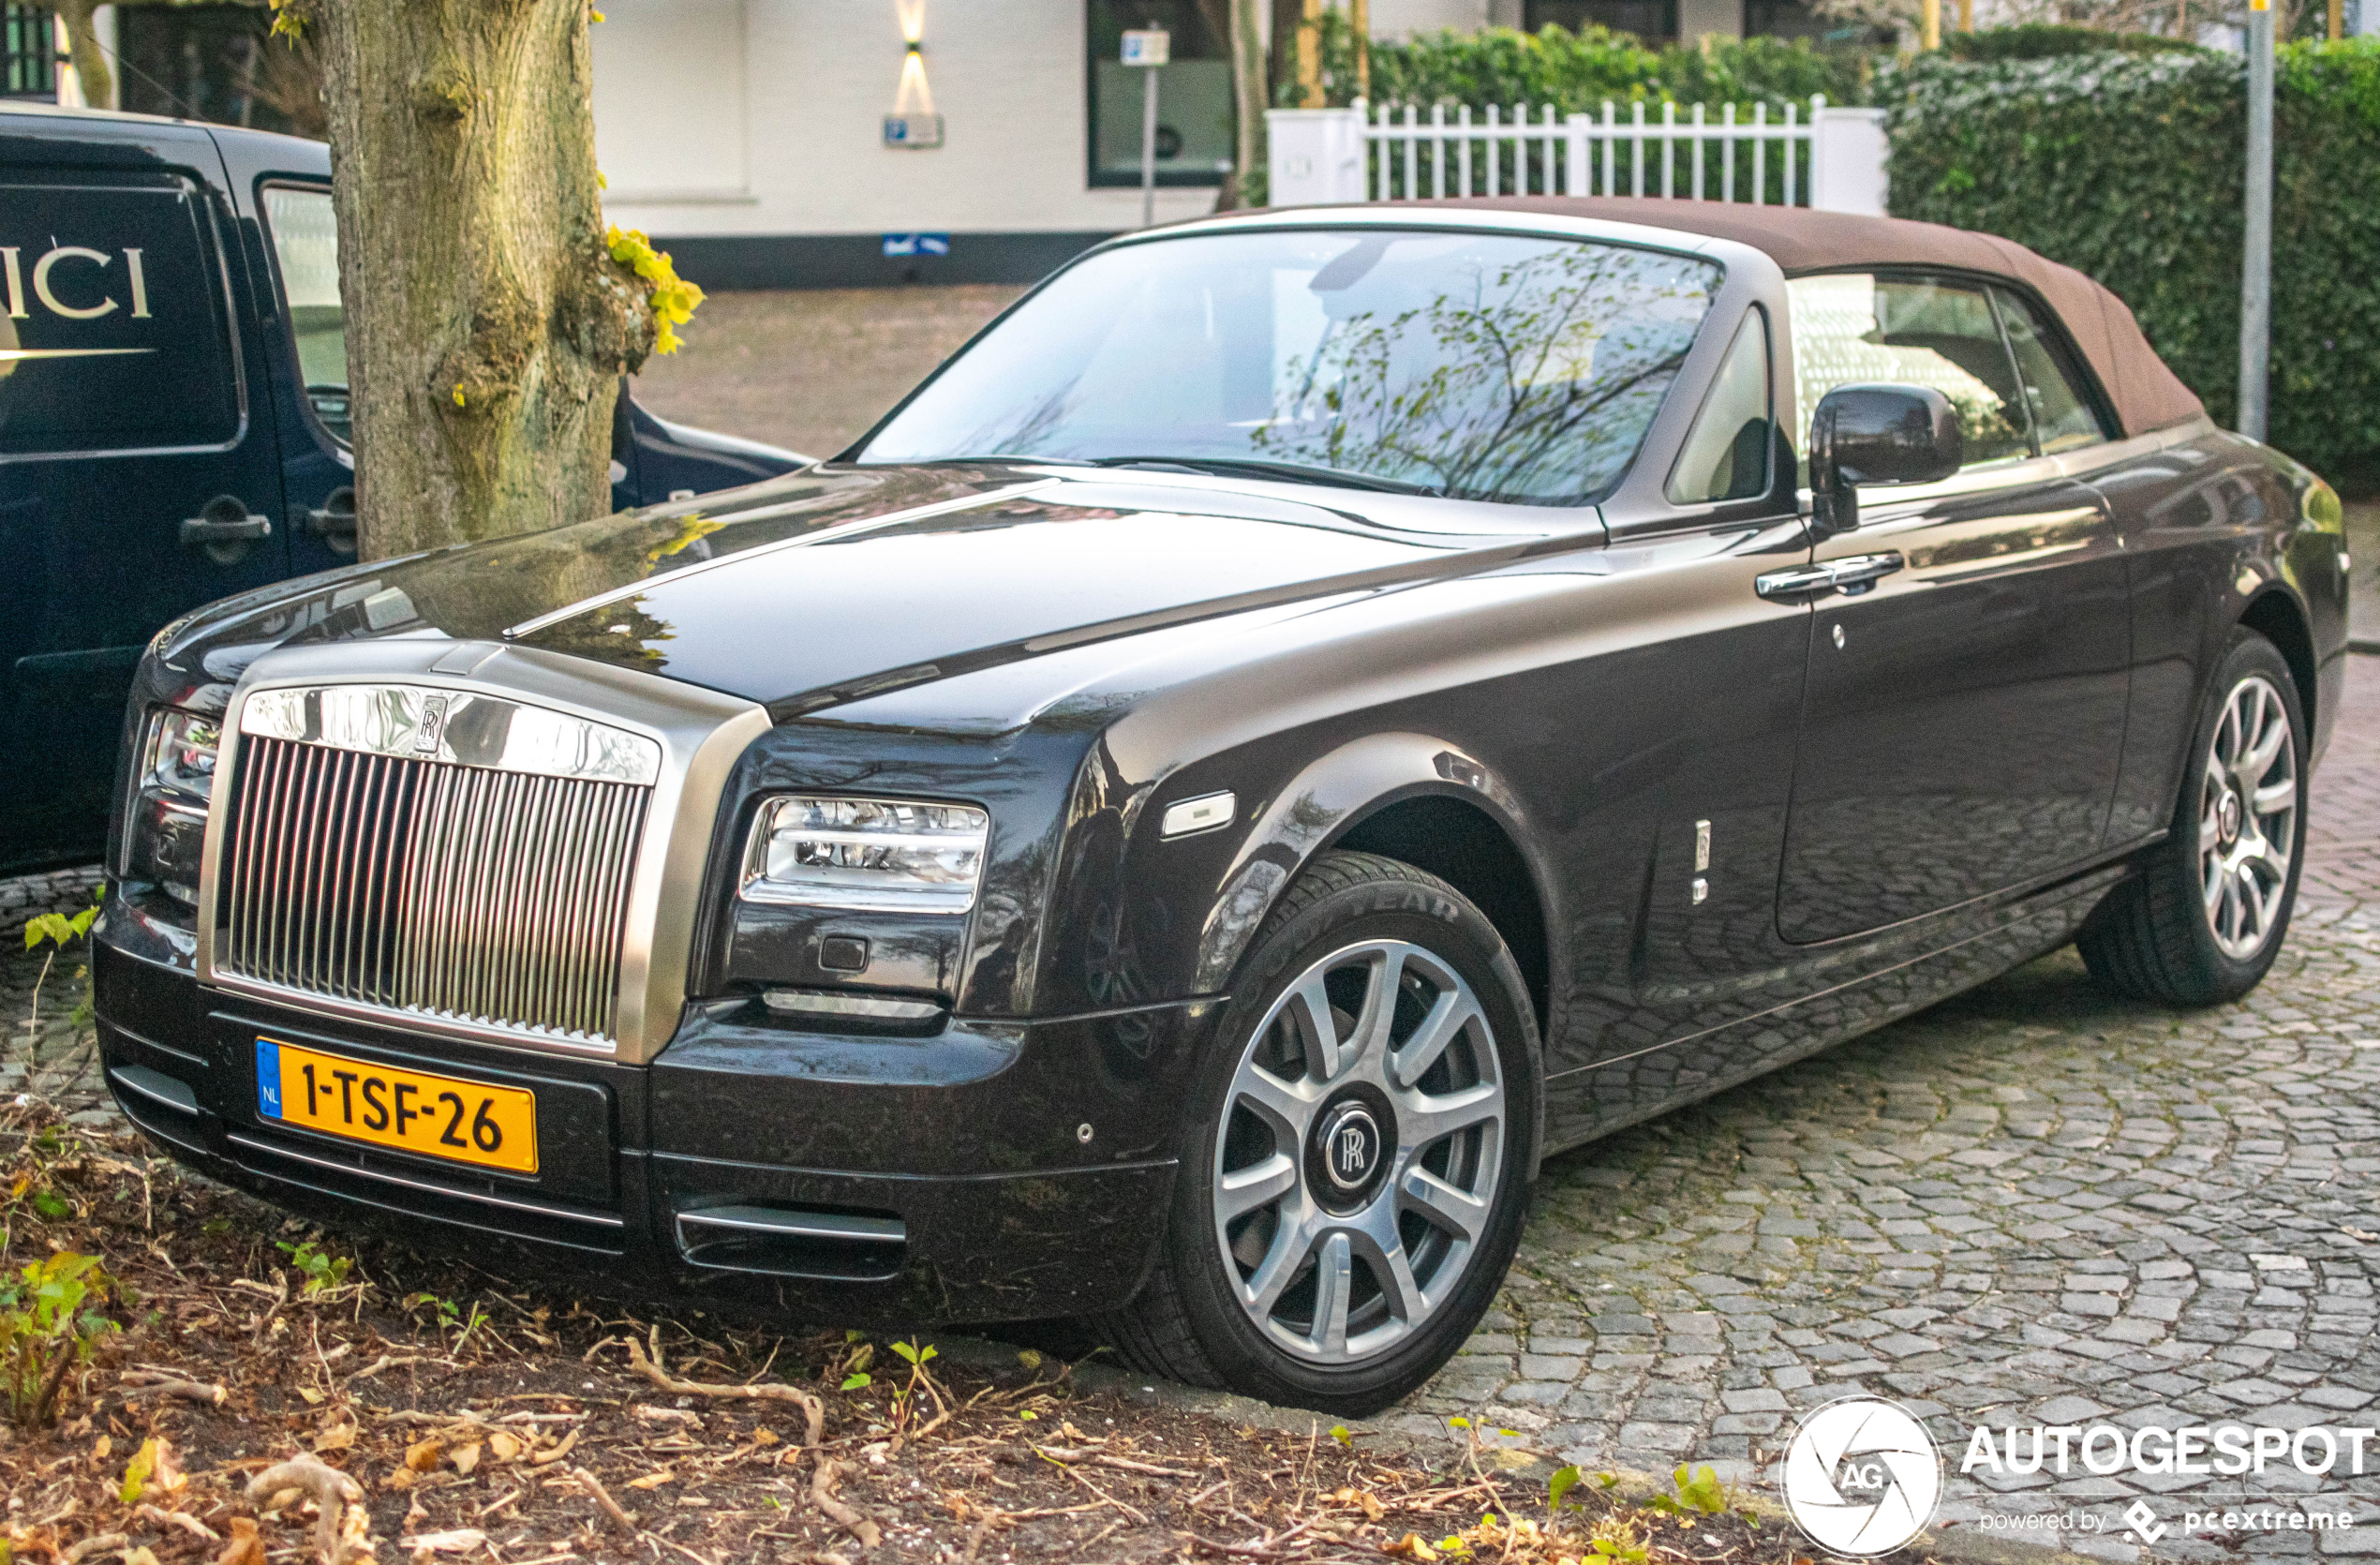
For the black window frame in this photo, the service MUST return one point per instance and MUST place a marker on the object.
(282, 309)
(1098, 48)
(2049, 324)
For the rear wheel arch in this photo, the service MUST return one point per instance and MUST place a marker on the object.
(2274, 615)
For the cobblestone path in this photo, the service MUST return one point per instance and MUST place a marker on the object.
(2033, 1204)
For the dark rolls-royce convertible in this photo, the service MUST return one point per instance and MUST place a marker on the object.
(1308, 715)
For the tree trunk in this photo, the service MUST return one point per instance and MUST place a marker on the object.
(83, 44)
(1252, 92)
(487, 324)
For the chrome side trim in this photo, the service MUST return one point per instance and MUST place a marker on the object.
(794, 1225)
(697, 735)
(157, 1087)
(411, 722)
(806, 1002)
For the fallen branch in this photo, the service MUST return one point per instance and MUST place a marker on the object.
(99, 1544)
(333, 1492)
(822, 1494)
(157, 1516)
(814, 1411)
(625, 1520)
(143, 1381)
(394, 1361)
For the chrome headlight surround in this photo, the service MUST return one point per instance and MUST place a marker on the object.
(172, 785)
(866, 855)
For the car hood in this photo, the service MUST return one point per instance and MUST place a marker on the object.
(838, 583)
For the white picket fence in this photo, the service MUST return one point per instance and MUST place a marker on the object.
(1829, 158)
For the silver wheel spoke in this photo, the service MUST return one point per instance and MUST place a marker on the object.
(1425, 1120)
(1452, 1012)
(1338, 1282)
(1317, 1029)
(1457, 1212)
(1333, 1286)
(1245, 1190)
(1287, 1109)
(2248, 818)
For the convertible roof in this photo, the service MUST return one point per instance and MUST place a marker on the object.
(2147, 395)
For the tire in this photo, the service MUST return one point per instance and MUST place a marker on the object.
(1306, 1183)
(2160, 937)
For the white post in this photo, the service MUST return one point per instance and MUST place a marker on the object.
(1847, 156)
(1574, 130)
(1317, 156)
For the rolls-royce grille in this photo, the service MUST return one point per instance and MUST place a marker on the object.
(468, 894)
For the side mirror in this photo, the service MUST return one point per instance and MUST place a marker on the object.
(1870, 434)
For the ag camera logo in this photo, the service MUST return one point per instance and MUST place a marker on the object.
(1861, 1476)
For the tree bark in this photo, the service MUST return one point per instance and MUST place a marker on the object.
(487, 324)
(91, 71)
(1252, 92)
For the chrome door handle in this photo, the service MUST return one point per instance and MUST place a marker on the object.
(1857, 573)
(1852, 574)
(1800, 581)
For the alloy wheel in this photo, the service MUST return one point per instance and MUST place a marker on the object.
(1362, 1141)
(2247, 818)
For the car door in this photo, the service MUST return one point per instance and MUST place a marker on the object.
(136, 482)
(1963, 716)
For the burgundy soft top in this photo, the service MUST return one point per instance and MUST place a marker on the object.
(2147, 395)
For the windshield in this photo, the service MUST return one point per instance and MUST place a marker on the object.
(1482, 367)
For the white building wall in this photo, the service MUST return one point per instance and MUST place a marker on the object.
(1397, 20)
(765, 118)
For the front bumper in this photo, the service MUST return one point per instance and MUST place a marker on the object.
(880, 1181)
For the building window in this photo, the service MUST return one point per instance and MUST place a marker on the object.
(1194, 128)
(26, 35)
(220, 64)
(1653, 21)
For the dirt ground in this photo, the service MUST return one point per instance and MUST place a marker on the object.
(811, 369)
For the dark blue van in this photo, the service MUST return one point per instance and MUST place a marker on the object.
(174, 417)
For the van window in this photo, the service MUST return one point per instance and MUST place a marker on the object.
(115, 337)
(306, 243)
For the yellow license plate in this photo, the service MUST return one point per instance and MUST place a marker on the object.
(411, 1111)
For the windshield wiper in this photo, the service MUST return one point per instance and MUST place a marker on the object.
(1292, 471)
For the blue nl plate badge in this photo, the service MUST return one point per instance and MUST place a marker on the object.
(268, 1077)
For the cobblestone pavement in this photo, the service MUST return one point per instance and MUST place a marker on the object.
(2033, 1204)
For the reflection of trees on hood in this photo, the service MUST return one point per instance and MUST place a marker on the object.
(1506, 389)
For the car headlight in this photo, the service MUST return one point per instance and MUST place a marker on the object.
(174, 780)
(868, 855)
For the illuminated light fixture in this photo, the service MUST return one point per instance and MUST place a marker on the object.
(912, 121)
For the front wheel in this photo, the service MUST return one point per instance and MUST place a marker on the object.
(2204, 921)
(1353, 1190)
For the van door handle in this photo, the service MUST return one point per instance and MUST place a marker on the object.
(226, 519)
(1851, 575)
(336, 519)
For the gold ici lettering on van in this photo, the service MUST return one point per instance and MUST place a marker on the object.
(44, 284)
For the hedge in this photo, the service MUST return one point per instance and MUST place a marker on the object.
(1577, 72)
(2128, 167)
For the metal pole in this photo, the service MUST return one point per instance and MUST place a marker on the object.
(2256, 272)
(1148, 147)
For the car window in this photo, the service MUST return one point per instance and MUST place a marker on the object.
(305, 244)
(115, 337)
(1488, 366)
(1726, 453)
(1850, 327)
(2062, 415)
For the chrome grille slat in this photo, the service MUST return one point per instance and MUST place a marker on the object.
(431, 887)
